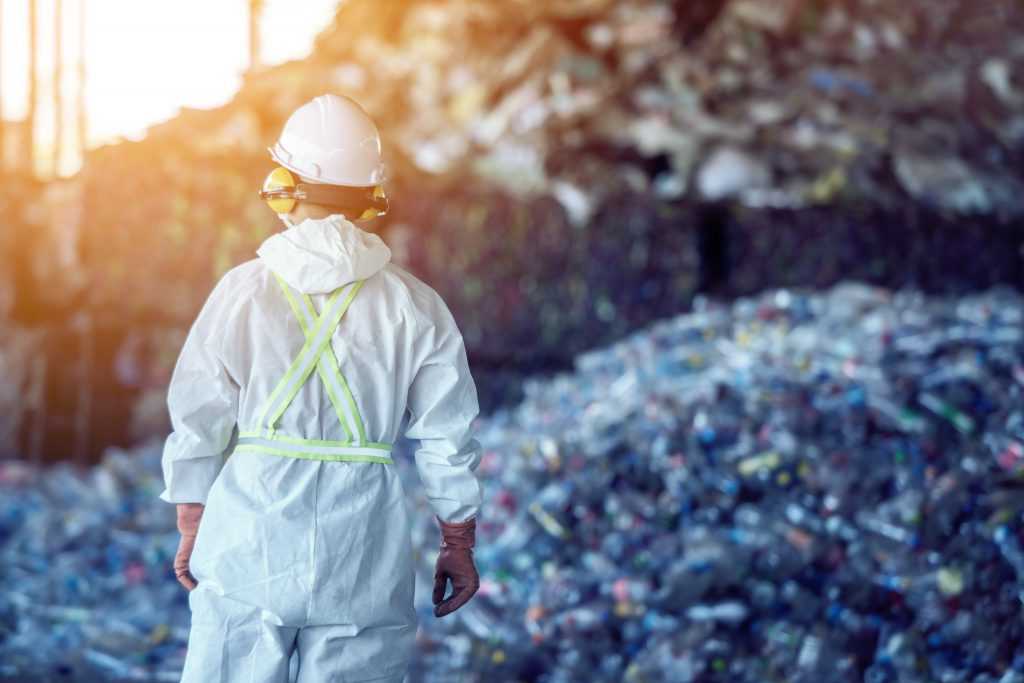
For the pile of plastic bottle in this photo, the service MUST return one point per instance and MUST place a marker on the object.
(801, 486)
(88, 593)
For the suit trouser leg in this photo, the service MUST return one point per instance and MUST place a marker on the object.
(330, 654)
(233, 642)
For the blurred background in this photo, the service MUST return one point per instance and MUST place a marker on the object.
(740, 283)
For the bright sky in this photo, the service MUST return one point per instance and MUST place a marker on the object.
(144, 59)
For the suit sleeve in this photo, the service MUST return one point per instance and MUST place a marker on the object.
(442, 405)
(203, 403)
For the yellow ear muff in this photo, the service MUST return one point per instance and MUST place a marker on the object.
(378, 193)
(278, 190)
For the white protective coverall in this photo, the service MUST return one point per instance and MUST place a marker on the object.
(305, 539)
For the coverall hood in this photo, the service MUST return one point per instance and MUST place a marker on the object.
(318, 256)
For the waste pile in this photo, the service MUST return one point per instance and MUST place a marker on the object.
(551, 160)
(88, 595)
(770, 103)
(799, 486)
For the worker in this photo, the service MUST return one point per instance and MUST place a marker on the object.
(290, 390)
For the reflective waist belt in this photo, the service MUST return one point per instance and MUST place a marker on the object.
(312, 449)
(316, 353)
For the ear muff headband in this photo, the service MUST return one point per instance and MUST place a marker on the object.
(281, 191)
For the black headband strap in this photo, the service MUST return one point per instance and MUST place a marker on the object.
(336, 195)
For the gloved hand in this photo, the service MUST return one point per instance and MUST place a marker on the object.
(189, 515)
(456, 563)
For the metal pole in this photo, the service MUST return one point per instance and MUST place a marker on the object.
(37, 404)
(83, 130)
(3, 128)
(255, 12)
(83, 407)
(33, 89)
(58, 78)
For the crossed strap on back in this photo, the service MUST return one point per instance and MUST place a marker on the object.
(315, 353)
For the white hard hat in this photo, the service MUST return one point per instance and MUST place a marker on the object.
(330, 139)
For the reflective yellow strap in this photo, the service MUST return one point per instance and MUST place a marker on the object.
(326, 362)
(294, 304)
(332, 363)
(315, 344)
(284, 438)
(252, 448)
(300, 368)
